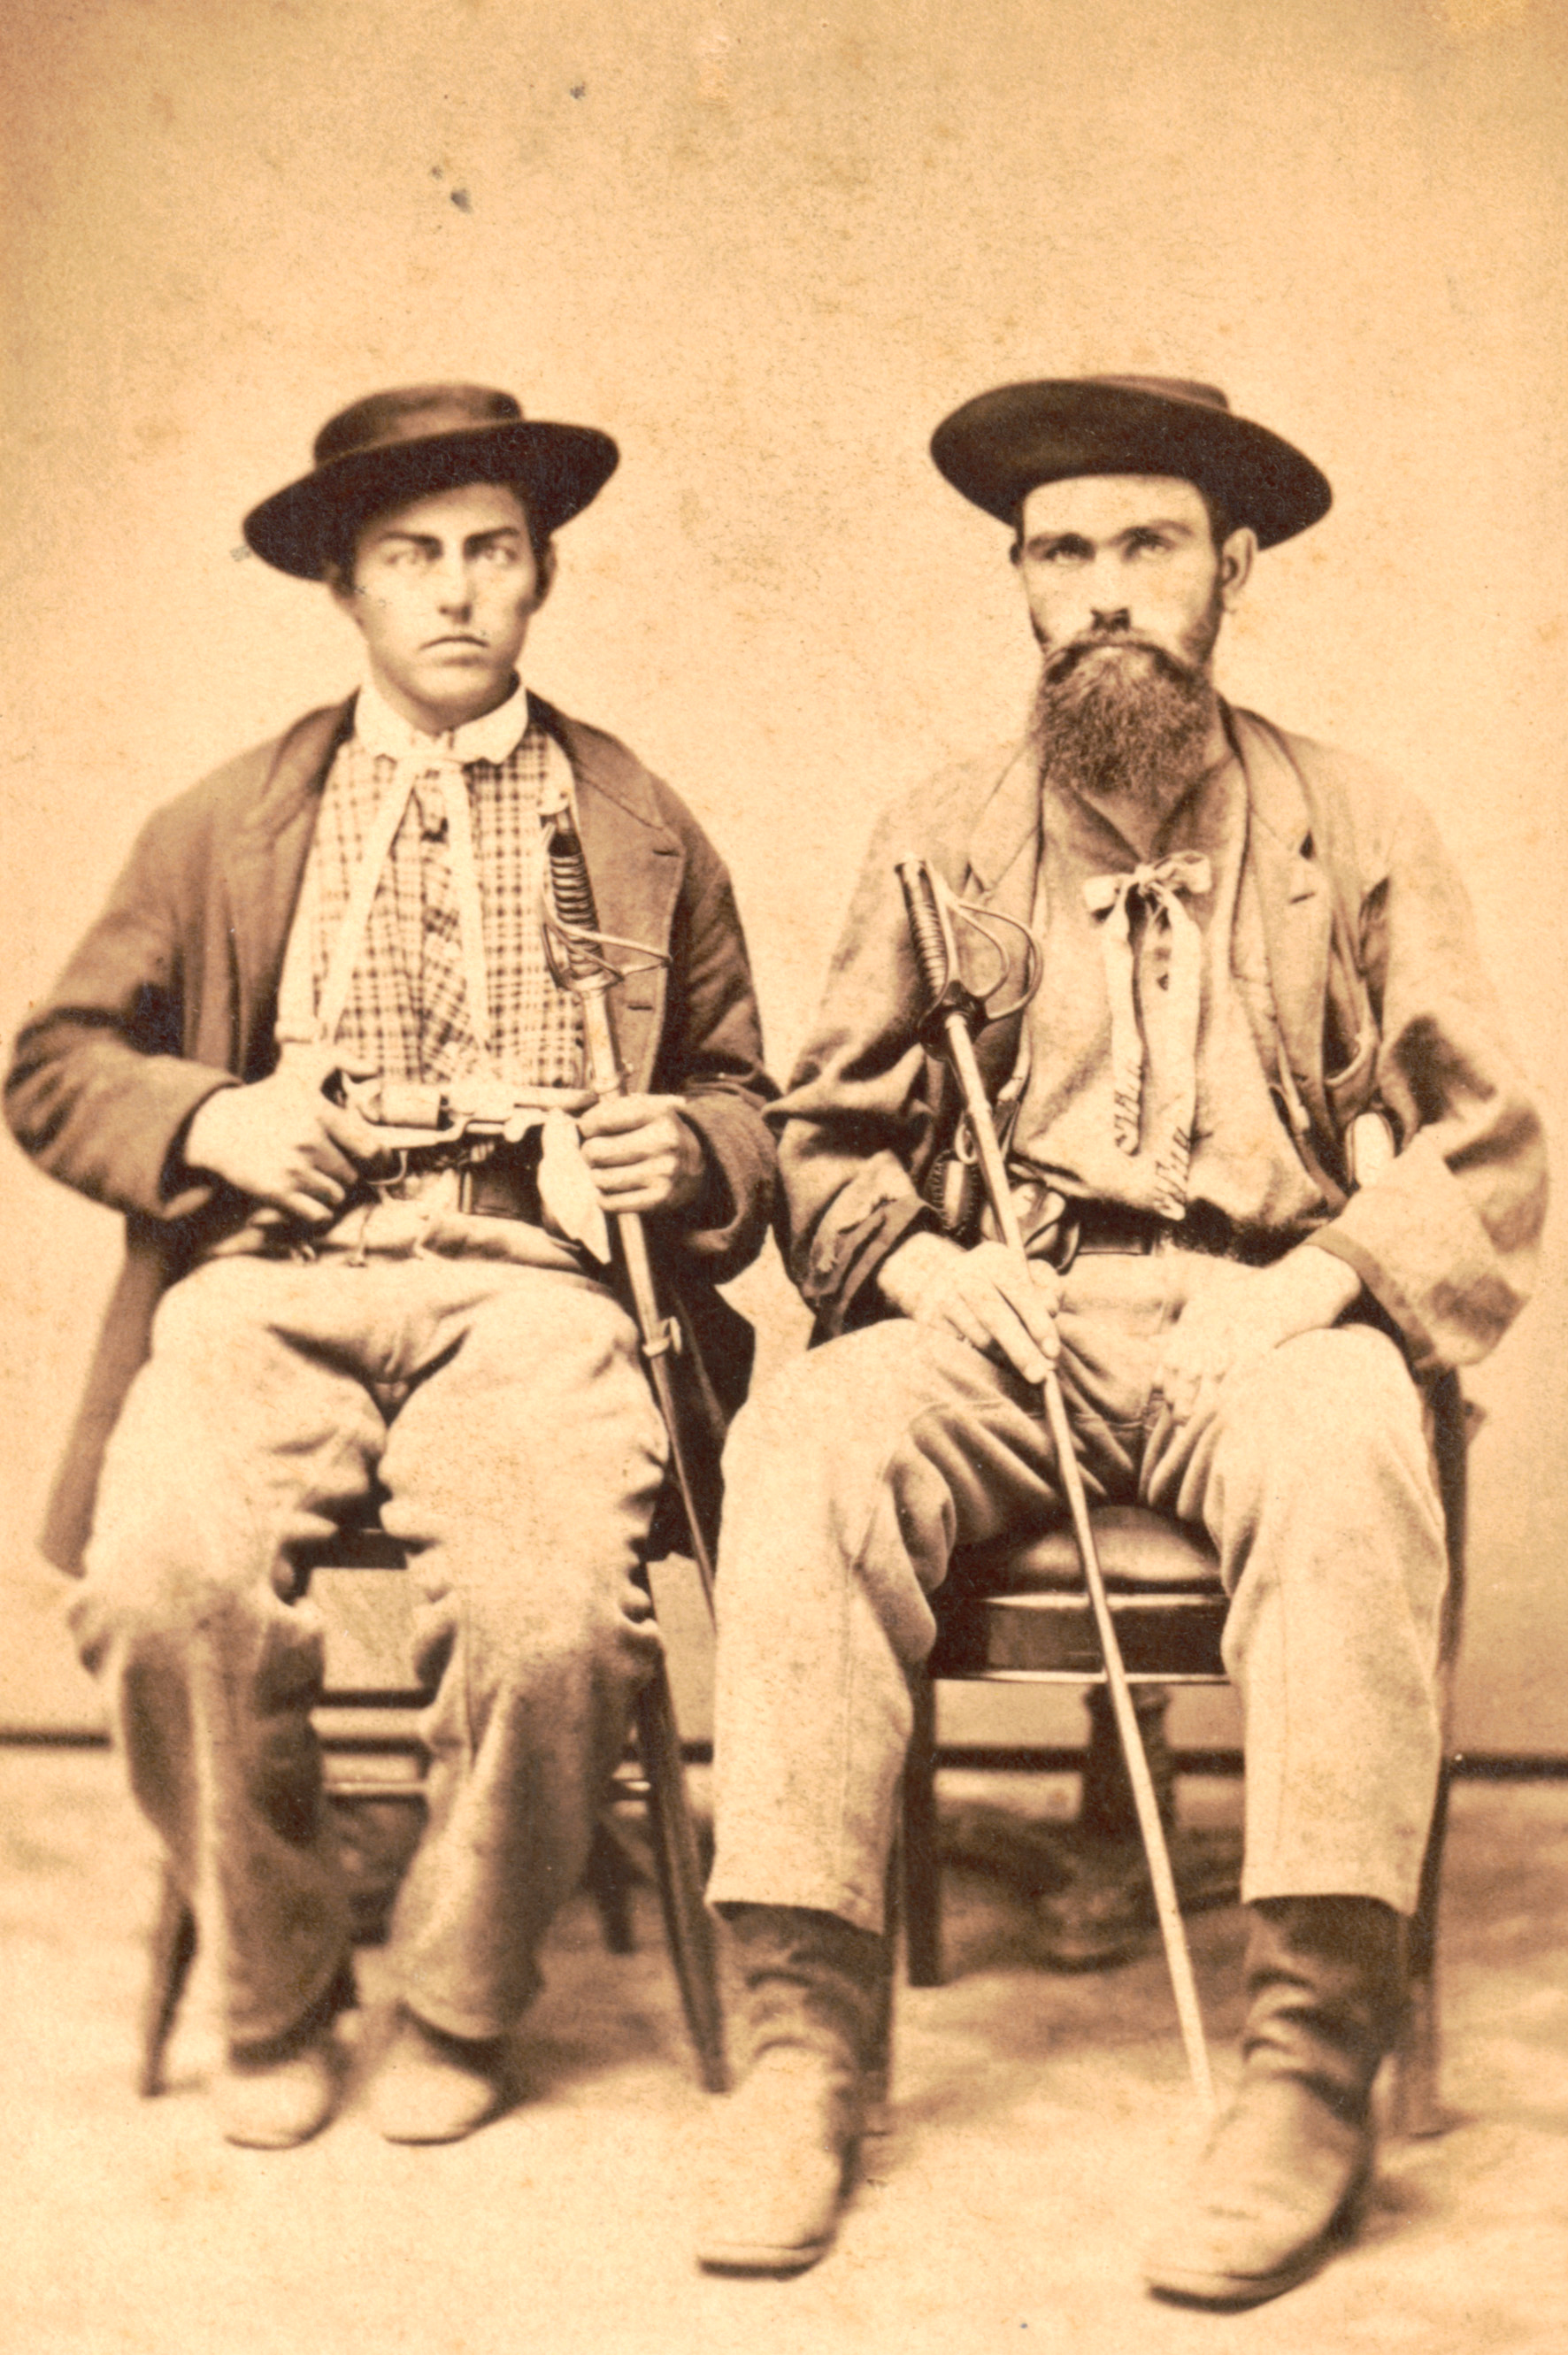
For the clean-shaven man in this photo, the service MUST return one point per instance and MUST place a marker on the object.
(337, 932)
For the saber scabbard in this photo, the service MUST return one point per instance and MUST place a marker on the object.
(592, 977)
(952, 1011)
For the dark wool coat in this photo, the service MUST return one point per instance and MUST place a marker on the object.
(173, 994)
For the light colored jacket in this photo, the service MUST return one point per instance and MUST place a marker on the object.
(173, 994)
(1378, 998)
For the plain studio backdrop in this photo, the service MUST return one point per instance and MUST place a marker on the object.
(767, 246)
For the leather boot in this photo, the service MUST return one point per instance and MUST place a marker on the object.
(812, 2014)
(1283, 2174)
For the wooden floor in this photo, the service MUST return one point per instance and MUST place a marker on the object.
(1039, 2122)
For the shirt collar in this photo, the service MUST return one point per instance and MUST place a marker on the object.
(493, 738)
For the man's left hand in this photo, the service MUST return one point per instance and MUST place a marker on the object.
(644, 1155)
(1229, 1325)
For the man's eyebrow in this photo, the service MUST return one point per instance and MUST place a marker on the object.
(434, 539)
(1173, 525)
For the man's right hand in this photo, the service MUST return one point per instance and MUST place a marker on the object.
(985, 1296)
(281, 1141)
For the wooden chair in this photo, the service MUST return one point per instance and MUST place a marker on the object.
(1018, 1613)
(375, 1766)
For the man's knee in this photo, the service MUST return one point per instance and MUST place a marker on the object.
(854, 1395)
(1324, 1482)
(168, 1556)
(157, 1598)
(1323, 1407)
(524, 1626)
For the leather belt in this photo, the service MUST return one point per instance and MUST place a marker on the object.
(1118, 1227)
(489, 1181)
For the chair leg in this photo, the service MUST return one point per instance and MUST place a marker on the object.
(1417, 2105)
(687, 1922)
(921, 1865)
(1106, 1808)
(609, 1880)
(172, 1950)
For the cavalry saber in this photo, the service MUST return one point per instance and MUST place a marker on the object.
(592, 979)
(937, 960)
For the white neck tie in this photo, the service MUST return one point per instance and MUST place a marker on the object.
(1171, 1016)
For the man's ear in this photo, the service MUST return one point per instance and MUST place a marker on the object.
(544, 571)
(1235, 565)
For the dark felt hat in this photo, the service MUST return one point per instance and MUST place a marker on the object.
(429, 437)
(1003, 444)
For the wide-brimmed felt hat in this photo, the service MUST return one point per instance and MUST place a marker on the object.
(1003, 444)
(430, 437)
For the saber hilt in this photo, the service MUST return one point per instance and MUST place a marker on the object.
(936, 954)
(954, 1015)
(571, 892)
(577, 951)
(574, 949)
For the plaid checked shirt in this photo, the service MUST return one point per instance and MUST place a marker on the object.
(406, 1012)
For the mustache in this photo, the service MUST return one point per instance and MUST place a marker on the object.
(1060, 666)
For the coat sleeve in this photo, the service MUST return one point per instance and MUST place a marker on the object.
(99, 1093)
(711, 1054)
(857, 1120)
(1445, 1239)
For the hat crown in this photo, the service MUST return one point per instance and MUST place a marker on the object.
(412, 413)
(1166, 387)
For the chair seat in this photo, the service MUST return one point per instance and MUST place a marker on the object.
(1021, 1610)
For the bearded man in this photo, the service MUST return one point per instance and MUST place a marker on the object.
(315, 961)
(1245, 940)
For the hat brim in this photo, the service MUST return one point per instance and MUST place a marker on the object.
(557, 469)
(1003, 444)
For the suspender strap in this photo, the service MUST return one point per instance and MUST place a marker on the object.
(357, 914)
(299, 1018)
(470, 914)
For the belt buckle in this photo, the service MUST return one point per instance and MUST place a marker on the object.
(1118, 1227)
(1069, 1236)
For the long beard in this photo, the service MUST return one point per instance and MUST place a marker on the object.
(1133, 723)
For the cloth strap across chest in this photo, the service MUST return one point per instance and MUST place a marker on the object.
(369, 945)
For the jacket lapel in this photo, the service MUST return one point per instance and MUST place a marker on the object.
(637, 866)
(1001, 864)
(1003, 848)
(263, 865)
(1297, 913)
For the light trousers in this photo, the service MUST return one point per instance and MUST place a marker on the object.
(851, 1480)
(504, 1411)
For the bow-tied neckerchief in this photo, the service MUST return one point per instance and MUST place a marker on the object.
(1170, 1014)
(433, 772)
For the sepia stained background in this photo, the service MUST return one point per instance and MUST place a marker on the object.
(767, 245)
